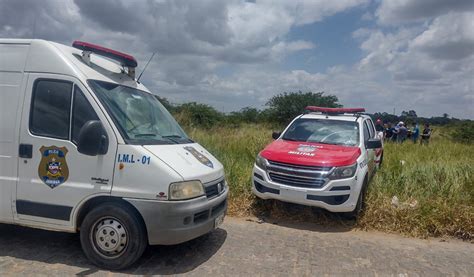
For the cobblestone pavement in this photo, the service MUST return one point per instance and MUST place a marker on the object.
(241, 247)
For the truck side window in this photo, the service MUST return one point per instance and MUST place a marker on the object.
(50, 109)
(82, 112)
(370, 124)
(366, 132)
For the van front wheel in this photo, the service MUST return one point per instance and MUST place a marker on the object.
(112, 236)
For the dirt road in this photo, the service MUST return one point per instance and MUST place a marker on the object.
(241, 247)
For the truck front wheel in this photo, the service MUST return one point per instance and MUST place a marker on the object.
(360, 202)
(113, 236)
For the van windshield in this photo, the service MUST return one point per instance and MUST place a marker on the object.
(139, 116)
(323, 131)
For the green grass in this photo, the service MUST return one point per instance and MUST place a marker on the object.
(439, 178)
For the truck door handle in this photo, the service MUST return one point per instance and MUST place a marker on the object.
(26, 151)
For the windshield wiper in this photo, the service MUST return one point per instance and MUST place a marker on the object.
(290, 139)
(144, 135)
(172, 137)
(154, 135)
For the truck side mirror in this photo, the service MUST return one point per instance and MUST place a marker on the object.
(276, 135)
(373, 143)
(93, 139)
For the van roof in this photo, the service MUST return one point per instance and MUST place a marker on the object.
(50, 57)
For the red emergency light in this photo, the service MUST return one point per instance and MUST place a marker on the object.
(334, 110)
(122, 58)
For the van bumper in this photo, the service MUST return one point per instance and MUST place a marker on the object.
(174, 222)
(334, 196)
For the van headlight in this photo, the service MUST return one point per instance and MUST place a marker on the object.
(186, 190)
(261, 162)
(343, 172)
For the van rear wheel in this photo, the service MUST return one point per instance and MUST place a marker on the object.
(112, 236)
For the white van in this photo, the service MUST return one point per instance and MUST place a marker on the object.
(84, 147)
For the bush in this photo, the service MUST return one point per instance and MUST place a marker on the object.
(194, 115)
(464, 132)
(284, 107)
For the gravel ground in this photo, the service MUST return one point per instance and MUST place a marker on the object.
(246, 247)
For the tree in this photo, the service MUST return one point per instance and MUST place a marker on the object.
(165, 103)
(284, 107)
(247, 114)
(194, 114)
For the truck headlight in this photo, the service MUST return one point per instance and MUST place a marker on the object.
(186, 190)
(261, 162)
(343, 172)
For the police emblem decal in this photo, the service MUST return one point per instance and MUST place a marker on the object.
(306, 148)
(53, 169)
(200, 157)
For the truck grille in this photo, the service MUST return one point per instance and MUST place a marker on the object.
(298, 175)
(212, 190)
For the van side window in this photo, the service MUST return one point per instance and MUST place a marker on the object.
(82, 112)
(366, 132)
(50, 109)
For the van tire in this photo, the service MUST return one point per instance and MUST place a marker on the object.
(359, 208)
(113, 236)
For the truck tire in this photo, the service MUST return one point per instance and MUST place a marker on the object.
(360, 202)
(113, 236)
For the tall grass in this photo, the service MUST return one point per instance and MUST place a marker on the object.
(437, 180)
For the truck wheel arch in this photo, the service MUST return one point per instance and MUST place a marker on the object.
(90, 204)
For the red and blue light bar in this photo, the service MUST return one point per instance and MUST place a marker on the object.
(122, 58)
(334, 110)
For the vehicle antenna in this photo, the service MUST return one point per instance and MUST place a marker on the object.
(138, 80)
(34, 27)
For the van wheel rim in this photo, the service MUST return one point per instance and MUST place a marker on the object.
(109, 237)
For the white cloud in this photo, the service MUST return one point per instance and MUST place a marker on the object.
(418, 55)
(450, 36)
(393, 12)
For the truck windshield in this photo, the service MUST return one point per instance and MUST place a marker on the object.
(139, 116)
(323, 131)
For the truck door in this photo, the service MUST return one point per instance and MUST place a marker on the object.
(53, 177)
(370, 153)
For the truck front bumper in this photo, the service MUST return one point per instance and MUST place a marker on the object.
(174, 222)
(334, 196)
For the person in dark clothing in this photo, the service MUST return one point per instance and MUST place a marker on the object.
(378, 125)
(426, 134)
(389, 132)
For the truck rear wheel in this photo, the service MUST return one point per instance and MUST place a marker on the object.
(112, 236)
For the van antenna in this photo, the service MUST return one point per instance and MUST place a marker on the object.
(34, 27)
(145, 66)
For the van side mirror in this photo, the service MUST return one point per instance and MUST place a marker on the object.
(276, 135)
(373, 143)
(93, 139)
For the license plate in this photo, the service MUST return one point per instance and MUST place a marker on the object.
(219, 220)
(292, 194)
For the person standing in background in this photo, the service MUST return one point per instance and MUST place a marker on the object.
(395, 131)
(425, 136)
(379, 129)
(402, 132)
(415, 133)
(388, 131)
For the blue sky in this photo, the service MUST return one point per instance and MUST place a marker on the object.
(379, 54)
(334, 44)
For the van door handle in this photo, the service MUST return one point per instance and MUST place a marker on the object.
(26, 151)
